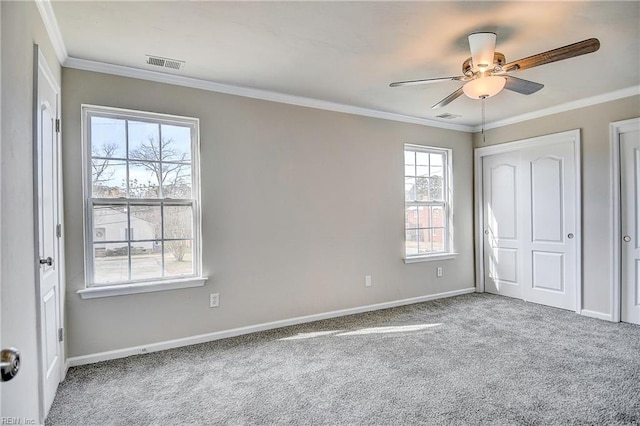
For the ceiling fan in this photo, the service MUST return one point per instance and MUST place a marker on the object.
(486, 72)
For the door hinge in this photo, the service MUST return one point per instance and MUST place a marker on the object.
(57, 125)
(59, 230)
(61, 334)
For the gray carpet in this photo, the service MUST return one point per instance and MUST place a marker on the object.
(474, 359)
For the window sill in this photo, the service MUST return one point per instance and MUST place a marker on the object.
(430, 258)
(123, 289)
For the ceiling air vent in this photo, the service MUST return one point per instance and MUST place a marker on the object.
(448, 116)
(158, 61)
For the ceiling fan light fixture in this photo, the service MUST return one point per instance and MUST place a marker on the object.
(484, 87)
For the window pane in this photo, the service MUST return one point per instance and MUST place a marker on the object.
(422, 189)
(438, 239)
(144, 141)
(437, 217)
(424, 238)
(410, 189)
(176, 143)
(423, 217)
(422, 159)
(176, 180)
(436, 160)
(436, 188)
(178, 258)
(409, 158)
(146, 222)
(110, 223)
(110, 262)
(409, 170)
(411, 242)
(108, 138)
(146, 260)
(178, 222)
(411, 217)
(108, 178)
(143, 180)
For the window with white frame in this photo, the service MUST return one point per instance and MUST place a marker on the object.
(427, 186)
(142, 196)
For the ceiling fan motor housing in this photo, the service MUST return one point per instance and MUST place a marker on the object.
(498, 61)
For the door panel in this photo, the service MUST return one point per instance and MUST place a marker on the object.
(548, 271)
(48, 242)
(501, 230)
(630, 216)
(530, 216)
(550, 277)
(546, 199)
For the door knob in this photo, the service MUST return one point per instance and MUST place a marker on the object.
(9, 364)
(486, 232)
(570, 236)
(48, 261)
(626, 238)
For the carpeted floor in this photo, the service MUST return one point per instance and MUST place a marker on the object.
(473, 359)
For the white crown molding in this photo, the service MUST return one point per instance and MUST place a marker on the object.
(123, 71)
(51, 24)
(580, 103)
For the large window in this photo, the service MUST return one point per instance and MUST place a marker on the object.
(427, 186)
(141, 196)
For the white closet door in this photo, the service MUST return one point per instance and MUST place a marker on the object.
(502, 233)
(630, 215)
(530, 211)
(549, 231)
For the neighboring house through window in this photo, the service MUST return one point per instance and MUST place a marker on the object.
(142, 197)
(428, 194)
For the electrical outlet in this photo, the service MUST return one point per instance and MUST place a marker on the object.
(439, 271)
(367, 280)
(214, 300)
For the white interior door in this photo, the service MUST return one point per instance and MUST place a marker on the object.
(48, 238)
(630, 215)
(502, 233)
(550, 243)
(530, 226)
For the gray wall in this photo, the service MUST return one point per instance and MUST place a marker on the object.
(21, 28)
(593, 122)
(298, 206)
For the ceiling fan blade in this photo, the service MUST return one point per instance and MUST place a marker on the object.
(446, 101)
(482, 46)
(519, 85)
(427, 81)
(572, 50)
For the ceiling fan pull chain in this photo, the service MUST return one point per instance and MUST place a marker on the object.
(484, 98)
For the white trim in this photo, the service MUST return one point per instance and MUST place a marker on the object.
(194, 83)
(155, 285)
(479, 153)
(203, 338)
(616, 129)
(53, 29)
(51, 24)
(595, 314)
(147, 287)
(431, 257)
(568, 106)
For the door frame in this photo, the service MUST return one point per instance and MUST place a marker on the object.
(40, 65)
(616, 129)
(479, 153)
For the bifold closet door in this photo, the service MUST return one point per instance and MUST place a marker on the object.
(530, 244)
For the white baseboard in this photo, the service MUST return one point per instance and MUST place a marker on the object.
(203, 338)
(596, 314)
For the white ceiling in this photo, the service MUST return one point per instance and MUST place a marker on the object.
(349, 52)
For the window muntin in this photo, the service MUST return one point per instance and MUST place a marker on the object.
(427, 201)
(142, 196)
